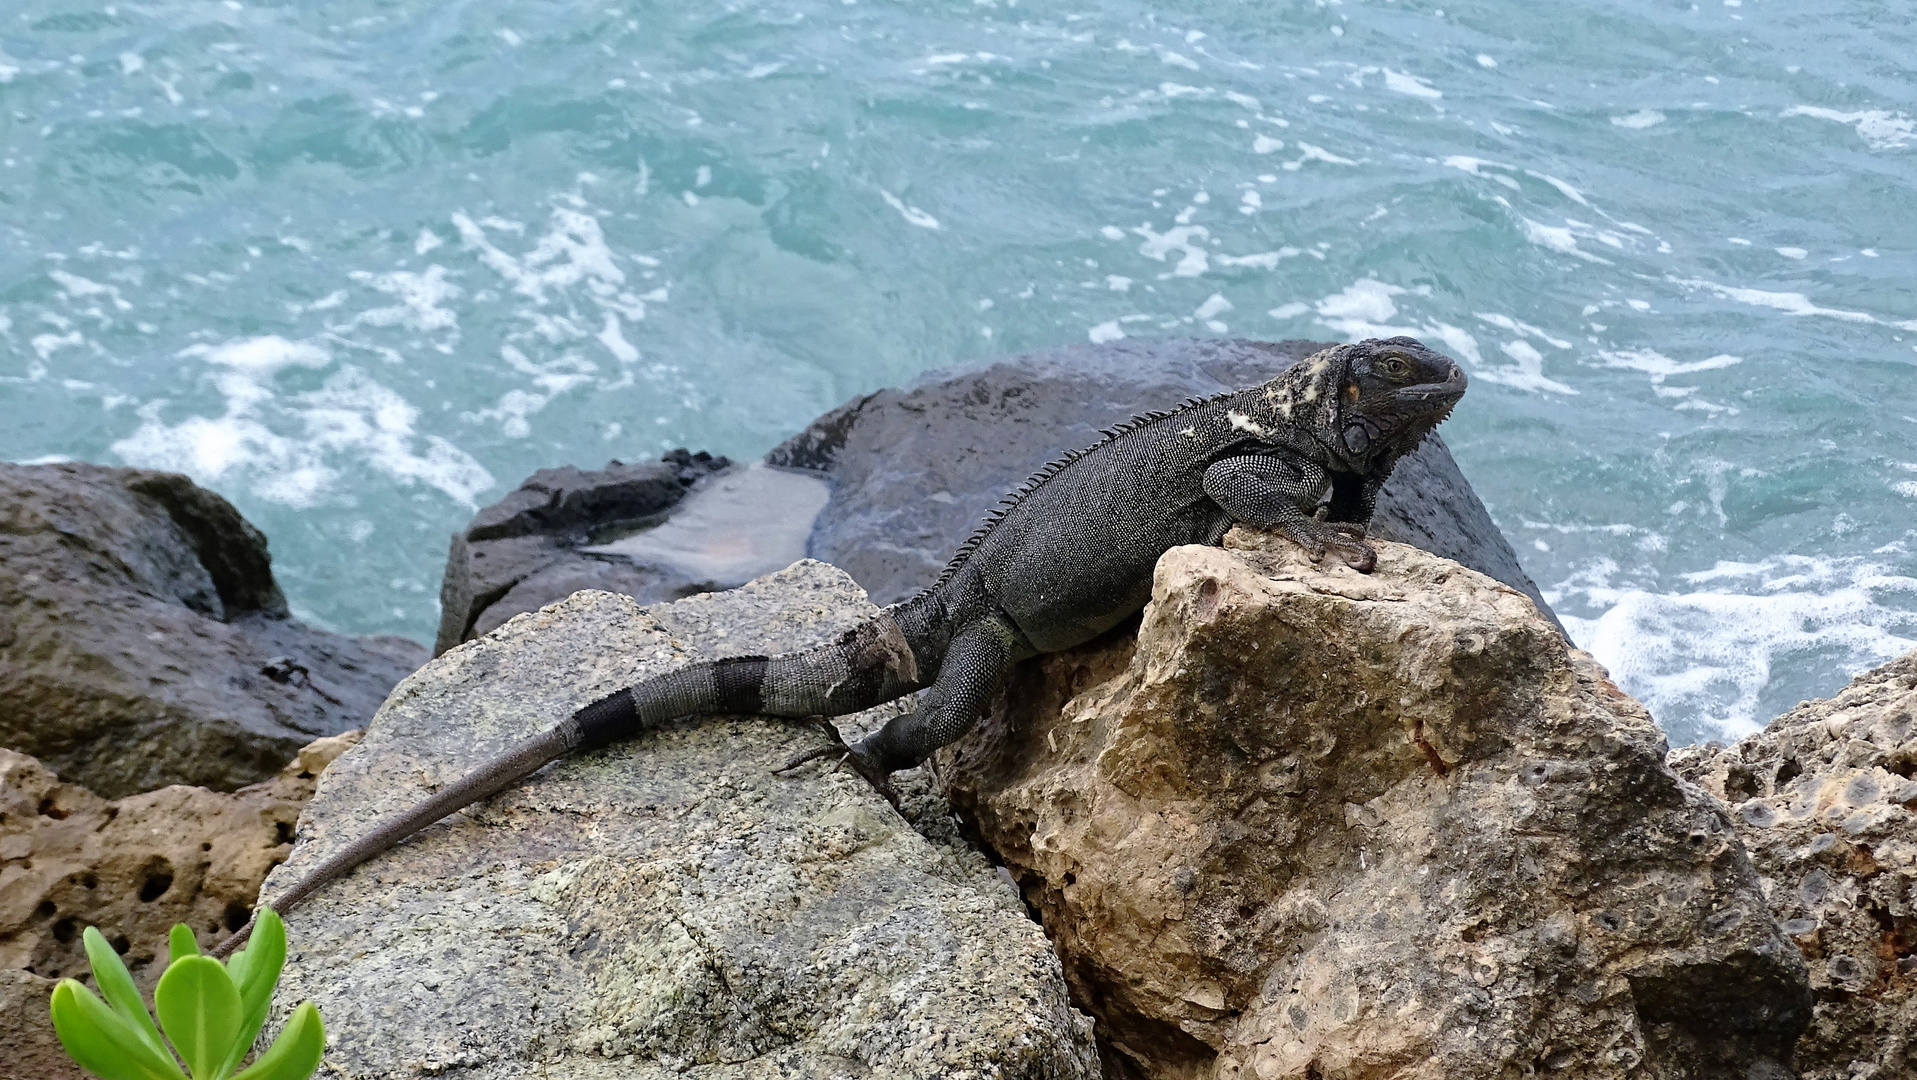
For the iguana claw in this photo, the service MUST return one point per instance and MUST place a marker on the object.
(847, 757)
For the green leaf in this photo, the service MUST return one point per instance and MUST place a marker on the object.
(117, 986)
(255, 970)
(180, 943)
(296, 1053)
(105, 1043)
(200, 1011)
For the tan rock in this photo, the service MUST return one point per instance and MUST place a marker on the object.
(1823, 798)
(1321, 824)
(28, 1048)
(133, 867)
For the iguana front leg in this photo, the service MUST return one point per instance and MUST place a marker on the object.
(1282, 493)
(1353, 500)
(975, 666)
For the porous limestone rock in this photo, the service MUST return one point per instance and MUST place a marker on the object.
(143, 641)
(663, 907)
(1312, 823)
(29, 1050)
(132, 867)
(1823, 798)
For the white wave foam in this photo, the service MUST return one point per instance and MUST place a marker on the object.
(1526, 371)
(1506, 322)
(1879, 129)
(912, 214)
(1402, 83)
(296, 450)
(1639, 120)
(1558, 238)
(1193, 260)
(1789, 303)
(419, 296)
(1701, 658)
(1660, 367)
(574, 252)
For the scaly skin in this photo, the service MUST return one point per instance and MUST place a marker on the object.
(1064, 558)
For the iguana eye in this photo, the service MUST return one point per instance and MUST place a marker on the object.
(1395, 367)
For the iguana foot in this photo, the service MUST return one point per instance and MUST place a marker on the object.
(1346, 539)
(1357, 554)
(847, 757)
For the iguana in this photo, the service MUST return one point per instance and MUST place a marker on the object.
(1064, 557)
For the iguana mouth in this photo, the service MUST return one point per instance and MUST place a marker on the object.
(1446, 393)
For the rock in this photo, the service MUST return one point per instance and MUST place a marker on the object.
(133, 867)
(1823, 798)
(1313, 823)
(29, 1050)
(143, 641)
(524, 551)
(666, 906)
(914, 470)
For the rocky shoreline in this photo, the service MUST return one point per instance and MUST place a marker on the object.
(1295, 822)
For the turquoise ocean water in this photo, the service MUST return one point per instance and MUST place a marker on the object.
(362, 265)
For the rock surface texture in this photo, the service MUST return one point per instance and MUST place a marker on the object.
(143, 641)
(523, 552)
(913, 470)
(133, 867)
(1318, 824)
(1823, 797)
(665, 907)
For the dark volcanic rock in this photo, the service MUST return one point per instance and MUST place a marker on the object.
(143, 641)
(913, 470)
(522, 552)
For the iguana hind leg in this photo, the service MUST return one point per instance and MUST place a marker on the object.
(975, 666)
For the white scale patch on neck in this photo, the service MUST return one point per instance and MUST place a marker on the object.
(1241, 422)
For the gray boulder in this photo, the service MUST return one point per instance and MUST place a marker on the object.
(143, 641)
(913, 470)
(1824, 798)
(665, 907)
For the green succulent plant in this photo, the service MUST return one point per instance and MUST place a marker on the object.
(211, 1014)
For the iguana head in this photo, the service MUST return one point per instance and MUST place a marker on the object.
(1390, 393)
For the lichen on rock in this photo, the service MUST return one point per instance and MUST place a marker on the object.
(1313, 823)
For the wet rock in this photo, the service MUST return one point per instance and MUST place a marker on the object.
(913, 470)
(143, 641)
(1823, 798)
(663, 907)
(1313, 823)
(528, 549)
(70, 859)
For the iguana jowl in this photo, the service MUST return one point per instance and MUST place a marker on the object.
(1065, 557)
